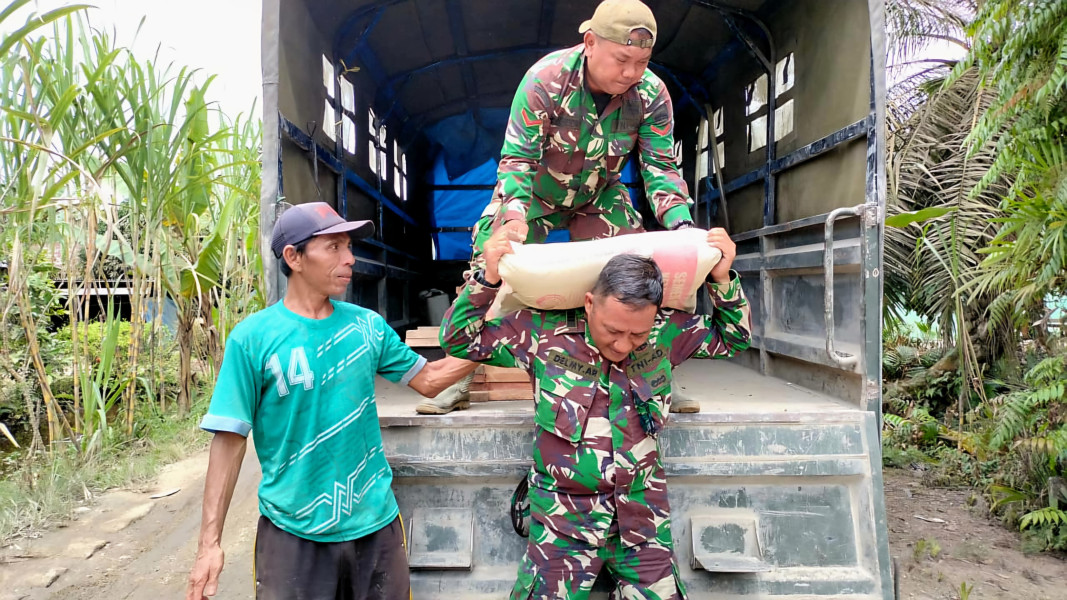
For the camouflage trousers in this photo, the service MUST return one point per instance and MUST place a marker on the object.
(609, 214)
(559, 567)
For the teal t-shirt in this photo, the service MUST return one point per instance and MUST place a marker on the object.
(305, 387)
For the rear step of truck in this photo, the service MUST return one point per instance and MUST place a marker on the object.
(774, 490)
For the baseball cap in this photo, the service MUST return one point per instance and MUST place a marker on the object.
(615, 20)
(304, 221)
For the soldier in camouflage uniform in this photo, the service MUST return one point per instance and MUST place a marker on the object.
(602, 377)
(577, 116)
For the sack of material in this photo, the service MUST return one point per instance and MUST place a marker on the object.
(557, 276)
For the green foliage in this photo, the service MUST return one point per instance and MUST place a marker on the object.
(902, 220)
(918, 427)
(1025, 414)
(1045, 517)
(1020, 53)
(902, 456)
(977, 204)
(926, 548)
(114, 172)
(35, 494)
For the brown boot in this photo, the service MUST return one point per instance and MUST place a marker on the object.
(456, 397)
(682, 402)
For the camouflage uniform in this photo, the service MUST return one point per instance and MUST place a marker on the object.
(561, 162)
(598, 493)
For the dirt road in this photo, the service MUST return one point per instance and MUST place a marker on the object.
(942, 540)
(128, 546)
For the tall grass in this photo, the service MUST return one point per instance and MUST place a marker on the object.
(115, 173)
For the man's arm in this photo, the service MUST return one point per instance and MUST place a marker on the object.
(664, 185)
(726, 330)
(223, 467)
(436, 376)
(465, 331)
(722, 333)
(524, 140)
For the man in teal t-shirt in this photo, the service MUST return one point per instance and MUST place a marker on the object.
(300, 374)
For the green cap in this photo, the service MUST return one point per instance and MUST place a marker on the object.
(616, 20)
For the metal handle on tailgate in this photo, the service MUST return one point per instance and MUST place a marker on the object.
(842, 360)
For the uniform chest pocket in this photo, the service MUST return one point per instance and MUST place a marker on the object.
(563, 407)
(562, 155)
(652, 396)
(619, 147)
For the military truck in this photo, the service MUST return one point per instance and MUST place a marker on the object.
(394, 111)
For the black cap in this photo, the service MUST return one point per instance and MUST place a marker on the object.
(304, 221)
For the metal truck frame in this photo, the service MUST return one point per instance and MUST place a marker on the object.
(776, 485)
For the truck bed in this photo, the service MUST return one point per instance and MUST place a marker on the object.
(727, 393)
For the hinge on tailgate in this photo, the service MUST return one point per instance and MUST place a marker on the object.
(872, 215)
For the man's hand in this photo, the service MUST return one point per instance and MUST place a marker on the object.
(497, 246)
(519, 228)
(223, 468)
(718, 238)
(204, 578)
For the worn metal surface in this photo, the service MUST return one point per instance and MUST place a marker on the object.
(441, 539)
(782, 473)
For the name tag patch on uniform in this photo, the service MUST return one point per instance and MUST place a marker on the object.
(658, 381)
(645, 362)
(569, 363)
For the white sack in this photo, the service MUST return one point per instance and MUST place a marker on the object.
(557, 276)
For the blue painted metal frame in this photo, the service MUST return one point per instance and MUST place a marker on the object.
(360, 50)
(388, 90)
(332, 162)
(354, 19)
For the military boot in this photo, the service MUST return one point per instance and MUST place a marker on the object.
(682, 402)
(456, 397)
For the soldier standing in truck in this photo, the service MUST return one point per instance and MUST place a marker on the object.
(597, 489)
(577, 116)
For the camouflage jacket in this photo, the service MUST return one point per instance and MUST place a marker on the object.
(596, 455)
(558, 149)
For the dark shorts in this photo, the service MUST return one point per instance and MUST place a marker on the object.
(373, 567)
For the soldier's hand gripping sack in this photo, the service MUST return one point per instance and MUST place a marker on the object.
(557, 276)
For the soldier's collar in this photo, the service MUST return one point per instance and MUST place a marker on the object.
(575, 323)
(589, 337)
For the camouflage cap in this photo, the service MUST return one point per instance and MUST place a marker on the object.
(616, 20)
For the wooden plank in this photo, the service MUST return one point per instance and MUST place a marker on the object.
(501, 385)
(506, 375)
(510, 385)
(421, 335)
(493, 395)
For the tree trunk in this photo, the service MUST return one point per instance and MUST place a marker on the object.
(56, 418)
(909, 387)
(185, 346)
(214, 347)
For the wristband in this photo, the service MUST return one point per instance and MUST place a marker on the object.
(479, 276)
(684, 223)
